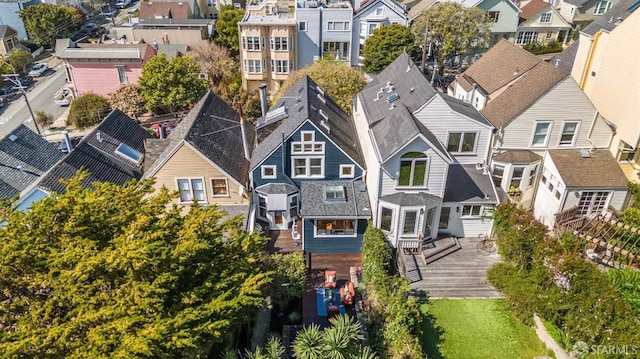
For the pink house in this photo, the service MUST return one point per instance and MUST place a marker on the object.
(102, 68)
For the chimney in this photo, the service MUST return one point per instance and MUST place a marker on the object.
(263, 99)
(67, 141)
(243, 130)
(473, 92)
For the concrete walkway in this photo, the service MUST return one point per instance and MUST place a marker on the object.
(461, 274)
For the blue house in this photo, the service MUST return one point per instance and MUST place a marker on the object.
(307, 171)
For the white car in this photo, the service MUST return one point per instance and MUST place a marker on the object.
(38, 69)
(121, 4)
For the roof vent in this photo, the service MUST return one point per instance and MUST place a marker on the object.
(321, 98)
(412, 89)
(362, 188)
(21, 168)
(584, 153)
(393, 105)
(324, 115)
(99, 136)
(394, 96)
(13, 138)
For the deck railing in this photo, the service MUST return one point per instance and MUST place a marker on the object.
(410, 246)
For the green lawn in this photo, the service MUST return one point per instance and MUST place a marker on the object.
(476, 328)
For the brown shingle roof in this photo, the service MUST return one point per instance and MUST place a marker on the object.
(532, 8)
(522, 94)
(600, 170)
(503, 63)
(517, 157)
(165, 9)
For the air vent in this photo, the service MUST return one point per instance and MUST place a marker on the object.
(13, 138)
(275, 114)
(584, 153)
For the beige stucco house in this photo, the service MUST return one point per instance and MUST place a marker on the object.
(205, 158)
(541, 22)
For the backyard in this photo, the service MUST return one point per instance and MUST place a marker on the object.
(476, 328)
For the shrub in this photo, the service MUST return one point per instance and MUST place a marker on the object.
(517, 234)
(627, 283)
(88, 110)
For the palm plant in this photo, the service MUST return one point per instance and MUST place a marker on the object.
(340, 341)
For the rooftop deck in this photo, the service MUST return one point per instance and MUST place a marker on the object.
(282, 241)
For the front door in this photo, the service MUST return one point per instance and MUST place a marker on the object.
(279, 219)
(428, 227)
(445, 212)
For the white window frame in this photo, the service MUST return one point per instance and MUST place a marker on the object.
(280, 66)
(269, 167)
(470, 213)
(249, 43)
(379, 11)
(371, 27)
(296, 207)
(307, 166)
(533, 173)
(546, 17)
(575, 133)
(280, 43)
(250, 64)
(351, 168)
(494, 15)
(302, 26)
(190, 182)
(599, 9)
(525, 37)
(411, 174)
(226, 186)
(404, 220)
(346, 26)
(355, 227)
(266, 205)
(546, 136)
(520, 179)
(501, 177)
(307, 146)
(392, 221)
(626, 150)
(462, 134)
(595, 203)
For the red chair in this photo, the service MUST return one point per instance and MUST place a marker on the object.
(330, 279)
(347, 293)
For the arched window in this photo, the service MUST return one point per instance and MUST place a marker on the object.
(413, 170)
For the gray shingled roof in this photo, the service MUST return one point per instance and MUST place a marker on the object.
(467, 184)
(517, 157)
(600, 170)
(303, 102)
(314, 204)
(213, 128)
(277, 188)
(6, 30)
(24, 157)
(610, 19)
(96, 154)
(465, 109)
(576, 2)
(564, 60)
(411, 199)
(392, 124)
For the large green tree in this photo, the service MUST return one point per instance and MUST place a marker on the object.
(452, 29)
(337, 79)
(47, 22)
(88, 110)
(386, 43)
(118, 272)
(20, 59)
(171, 84)
(227, 28)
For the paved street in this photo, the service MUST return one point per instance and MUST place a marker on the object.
(40, 97)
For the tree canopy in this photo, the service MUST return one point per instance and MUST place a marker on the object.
(453, 29)
(227, 28)
(47, 22)
(127, 98)
(88, 110)
(172, 84)
(384, 45)
(20, 59)
(216, 61)
(337, 79)
(118, 272)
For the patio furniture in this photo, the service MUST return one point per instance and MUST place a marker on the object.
(347, 293)
(330, 279)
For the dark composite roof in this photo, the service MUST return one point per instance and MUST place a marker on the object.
(277, 188)
(467, 184)
(411, 199)
(599, 170)
(564, 60)
(6, 30)
(576, 2)
(306, 101)
(389, 101)
(24, 157)
(610, 19)
(213, 128)
(96, 153)
(356, 203)
(517, 157)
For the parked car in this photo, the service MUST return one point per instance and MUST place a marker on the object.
(38, 69)
(109, 12)
(121, 4)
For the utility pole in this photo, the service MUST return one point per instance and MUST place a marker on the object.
(15, 79)
(424, 47)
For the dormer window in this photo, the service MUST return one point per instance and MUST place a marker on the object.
(545, 18)
(413, 170)
(307, 144)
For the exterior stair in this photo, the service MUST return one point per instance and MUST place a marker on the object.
(415, 267)
(436, 249)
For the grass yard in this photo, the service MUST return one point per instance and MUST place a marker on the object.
(476, 328)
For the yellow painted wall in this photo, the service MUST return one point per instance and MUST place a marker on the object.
(187, 163)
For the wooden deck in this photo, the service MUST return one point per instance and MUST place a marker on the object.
(317, 264)
(281, 241)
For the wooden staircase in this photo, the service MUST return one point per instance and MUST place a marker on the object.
(412, 264)
(435, 249)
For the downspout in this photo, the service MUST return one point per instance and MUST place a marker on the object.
(594, 43)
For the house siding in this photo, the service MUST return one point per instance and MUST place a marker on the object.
(508, 19)
(436, 172)
(390, 15)
(467, 226)
(374, 171)
(187, 163)
(102, 79)
(332, 244)
(440, 120)
(568, 104)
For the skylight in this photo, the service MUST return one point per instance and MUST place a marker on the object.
(129, 153)
(334, 193)
(394, 96)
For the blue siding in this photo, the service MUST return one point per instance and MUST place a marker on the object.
(333, 158)
(328, 245)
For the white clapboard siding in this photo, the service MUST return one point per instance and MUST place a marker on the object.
(369, 155)
(440, 119)
(565, 102)
(436, 173)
